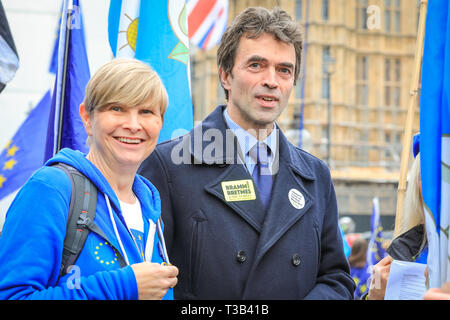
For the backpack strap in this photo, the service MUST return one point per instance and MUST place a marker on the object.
(83, 202)
(80, 220)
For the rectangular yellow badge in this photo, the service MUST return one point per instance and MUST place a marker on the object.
(239, 190)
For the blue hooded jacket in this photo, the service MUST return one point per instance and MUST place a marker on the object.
(32, 238)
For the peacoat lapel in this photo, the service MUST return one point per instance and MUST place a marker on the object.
(212, 144)
(290, 199)
(251, 210)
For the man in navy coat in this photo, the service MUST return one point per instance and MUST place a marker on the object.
(247, 214)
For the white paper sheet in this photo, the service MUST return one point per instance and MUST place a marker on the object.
(406, 281)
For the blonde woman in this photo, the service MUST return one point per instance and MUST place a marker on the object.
(410, 243)
(123, 114)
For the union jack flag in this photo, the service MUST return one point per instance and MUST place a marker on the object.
(207, 21)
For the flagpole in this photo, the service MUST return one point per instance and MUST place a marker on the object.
(303, 75)
(68, 25)
(413, 101)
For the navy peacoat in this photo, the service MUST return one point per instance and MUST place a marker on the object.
(228, 249)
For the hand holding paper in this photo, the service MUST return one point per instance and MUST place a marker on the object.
(406, 281)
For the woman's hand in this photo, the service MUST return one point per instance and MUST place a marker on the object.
(153, 280)
(380, 277)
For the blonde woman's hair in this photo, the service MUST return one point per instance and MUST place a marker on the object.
(413, 213)
(127, 82)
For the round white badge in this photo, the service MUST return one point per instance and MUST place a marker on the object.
(296, 198)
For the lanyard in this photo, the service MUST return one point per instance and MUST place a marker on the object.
(162, 243)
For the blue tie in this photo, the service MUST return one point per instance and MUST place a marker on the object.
(261, 173)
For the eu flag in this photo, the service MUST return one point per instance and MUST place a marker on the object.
(375, 251)
(435, 139)
(360, 276)
(53, 67)
(24, 153)
(155, 32)
(66, 128)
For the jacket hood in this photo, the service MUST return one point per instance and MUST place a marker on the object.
(141, 186)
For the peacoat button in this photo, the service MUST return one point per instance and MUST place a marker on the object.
(296, 260)
(241, 257)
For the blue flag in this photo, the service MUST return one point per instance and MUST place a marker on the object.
(360, 276)
(435, 139)
(155, 32)
(375, 251)
(70, 83)
(24, 153)
(53, 67)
